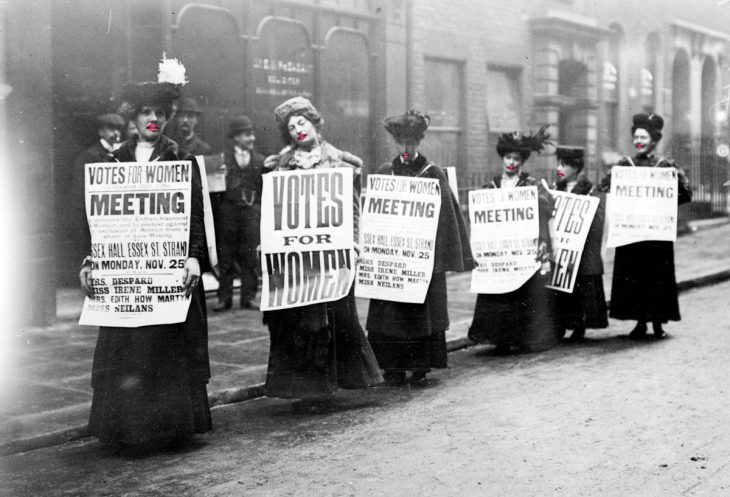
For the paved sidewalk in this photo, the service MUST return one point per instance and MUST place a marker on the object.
(48, 388)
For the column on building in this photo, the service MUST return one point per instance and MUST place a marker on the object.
(566, 78)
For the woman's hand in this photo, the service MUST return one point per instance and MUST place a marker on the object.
(191, 275)
(87, 284)
(543, 257)
(271, 162)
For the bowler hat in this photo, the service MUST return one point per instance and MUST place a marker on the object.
(188, 105)
(111, 120)
(239, 124)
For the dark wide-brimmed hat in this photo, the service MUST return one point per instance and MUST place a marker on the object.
(170, 80)
(652, 123)
(111, 120)
(411, 125)
(239, 124)
(296, 106)
(522, 143)
(188, 105)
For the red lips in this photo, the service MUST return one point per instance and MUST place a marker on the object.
(510, 168)
(639, 145)
(560, 174)
(405, 155)
(152, 127)
(301, 136)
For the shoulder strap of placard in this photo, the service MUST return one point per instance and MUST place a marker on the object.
(661, 159)
(630, 160)
(425, 168)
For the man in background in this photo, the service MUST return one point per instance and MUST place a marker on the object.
(239, 215)
(109, 129)
(188, 114)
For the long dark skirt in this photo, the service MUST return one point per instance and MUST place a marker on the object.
(524, 317)
(150, 383)
(317, 349)
(644, 285)
(411, 336)
(585, 307)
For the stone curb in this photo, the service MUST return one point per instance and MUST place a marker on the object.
(235, 395)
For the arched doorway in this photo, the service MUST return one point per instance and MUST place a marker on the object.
(710, 105)
(712, 172)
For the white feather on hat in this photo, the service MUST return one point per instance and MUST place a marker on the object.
(171, 71)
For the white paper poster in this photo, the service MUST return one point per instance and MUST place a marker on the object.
(307, 237)
(139, 218)
(398, 238)
(504, 238)
(642, 205)
(569, 227)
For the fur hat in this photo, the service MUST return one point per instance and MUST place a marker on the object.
(652, 123)
(295, 106)
(239, 124)
(523, 144)
(568, 152)
(572, 156)
(411, 125)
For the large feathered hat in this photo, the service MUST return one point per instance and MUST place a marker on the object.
(411, 125)
(170, 79)
(522, 143)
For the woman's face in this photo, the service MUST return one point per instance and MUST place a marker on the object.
(150, 122)
(643, 143)
(407, 148)
(512, 162)
(566, 172)
(303, 132)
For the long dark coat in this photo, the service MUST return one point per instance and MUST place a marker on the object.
(644, 285)
(318, 348)
(409, 336)
(526, 316)
(150, 382)
(586, 306)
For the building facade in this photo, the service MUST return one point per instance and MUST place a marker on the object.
(477, 67)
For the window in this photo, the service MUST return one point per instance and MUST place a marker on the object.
(444, 104)
(647, 89)
(443, 92)
(648, 73)
(610, 92)
(504, 106)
